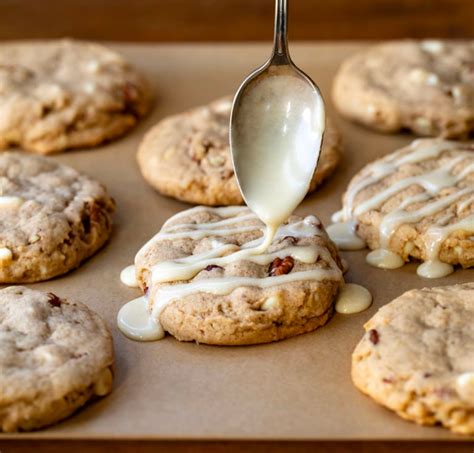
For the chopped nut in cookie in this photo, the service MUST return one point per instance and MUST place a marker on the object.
(281, 266)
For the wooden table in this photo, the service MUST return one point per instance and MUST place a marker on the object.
(233, 20)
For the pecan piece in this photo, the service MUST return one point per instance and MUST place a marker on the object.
(130, 95)
(291, 239)
(54, 300)
(92, 214)
(212, 266)
(466, 146)
(444, 392)
(281, 266)
(130, 92)
(374, 336)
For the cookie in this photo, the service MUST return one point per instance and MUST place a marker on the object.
(51, 217)
(417, 357)
(200, 287)
(424, 86)
(55, 355)
(56, 95)
(417, 202)
(187, 156)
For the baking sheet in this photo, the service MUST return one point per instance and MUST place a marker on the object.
(295, 389)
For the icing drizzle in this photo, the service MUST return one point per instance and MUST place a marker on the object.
(431, 184)
(221, 254)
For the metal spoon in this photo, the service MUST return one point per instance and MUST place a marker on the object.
(276, 128)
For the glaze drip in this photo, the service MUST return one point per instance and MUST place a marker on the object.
(439, 190)
(164, 275)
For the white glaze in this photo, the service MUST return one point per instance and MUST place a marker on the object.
(187, 268)
(222, 286)
(344, 236)
(276, 141)
(128, 276)
(276, 136)
(434, 238)
(221, 254)
(338, 217)
(135, 322)
(434, 269)
(384, 259)
(353, 298)
(432, 183)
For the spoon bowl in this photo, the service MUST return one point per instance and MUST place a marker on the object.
(276, 129)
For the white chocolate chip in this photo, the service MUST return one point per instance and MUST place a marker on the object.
(7, 201)
(199, 151)
(271, 303)
(432, 45)
(420, 75)
(408, 247)
(456, 91)
(223, 106)
(34, 238)
(50, 355)
(423, 125)
(463, 93)
(6, 256)
(432, 79)
(372, 110)
(465, 386)
(92, 66)
(168, 154)
(216, 161)
(89, 87)
(103, 386)
(215, 243)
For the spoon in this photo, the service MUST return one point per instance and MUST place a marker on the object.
(276, 129)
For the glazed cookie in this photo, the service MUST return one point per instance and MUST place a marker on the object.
(424, 86)
(51, 217)
(55, 355)
(417, 357)
(56, 95)
(202, 286)
(417, 202)
(187, 156)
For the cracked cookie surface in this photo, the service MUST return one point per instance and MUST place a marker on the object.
(417, 357)
(187, 156)
(51, 217)
(248, 313)
(55, 355)
(56, 95)
(424, 86)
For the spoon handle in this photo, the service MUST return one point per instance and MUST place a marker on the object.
(280, 41)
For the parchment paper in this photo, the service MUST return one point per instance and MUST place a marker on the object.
(295, 389)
